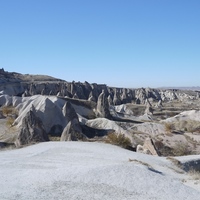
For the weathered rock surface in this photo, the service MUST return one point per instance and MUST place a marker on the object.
(148, 110)
(72, 131)
(148, 147)
(15, 84)
(75, 111)
(103, 106)
(32, 130)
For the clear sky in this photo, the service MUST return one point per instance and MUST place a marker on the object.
(123, 43)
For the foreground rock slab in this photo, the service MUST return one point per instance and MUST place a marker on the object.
(82, 170)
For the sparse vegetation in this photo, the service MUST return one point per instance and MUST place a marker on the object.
(141, 162)
(119, 140)
(194, 174)
(163, 149)
(184, 126)
(181, 149)
(169, 127)
(174, 161)
(9, 110)
(10, 113)
(10, 121)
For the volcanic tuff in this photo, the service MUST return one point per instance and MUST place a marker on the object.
(36, 108)
(16, 84)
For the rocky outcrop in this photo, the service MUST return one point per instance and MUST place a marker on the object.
(103, 106)
(148, 110)
(72, 131)
(159, 104)
(32, 130)
(15, 84)
(92, 97)
(110, 100)
(148, 148)
(116, 98)
(75, 96)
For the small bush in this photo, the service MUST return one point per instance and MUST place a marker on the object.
(10, 121)
(169, 127)
(119, 140)
(187, 126)
(9, 110)
(195, 174)
(181, 149)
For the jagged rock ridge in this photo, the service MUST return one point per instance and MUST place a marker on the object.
(15, 84)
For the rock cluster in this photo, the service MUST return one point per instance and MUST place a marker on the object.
(15, 84)
(48, 107)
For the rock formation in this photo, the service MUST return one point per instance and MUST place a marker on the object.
(92, 97)
(103, 106)
(110, 101)
(32, 130)
(148, 147)
(148, 110)
(116, 98)
(159, 104)
(72, 131)
(15, 84)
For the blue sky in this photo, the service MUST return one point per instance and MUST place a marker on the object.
(123, 43)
